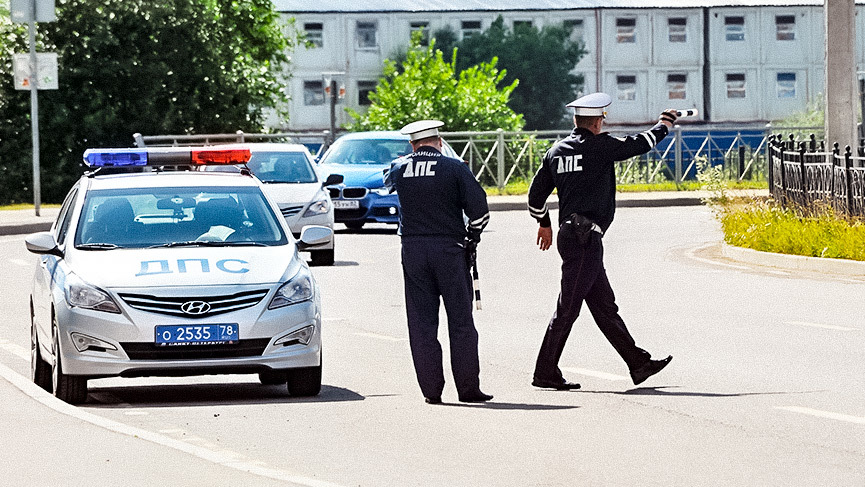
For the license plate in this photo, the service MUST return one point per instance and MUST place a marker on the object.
(188, 335)
(346, 204)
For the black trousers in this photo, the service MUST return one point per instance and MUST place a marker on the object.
(584, 279)
(434, 268)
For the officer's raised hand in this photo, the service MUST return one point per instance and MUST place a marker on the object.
(545, 237)
(668, 117)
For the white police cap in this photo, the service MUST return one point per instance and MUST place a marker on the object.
(591, 105)
(422, 129)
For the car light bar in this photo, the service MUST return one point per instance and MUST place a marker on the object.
(164, 156)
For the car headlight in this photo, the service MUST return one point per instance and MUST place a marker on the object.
(317, 208)
(383, 191)
(302, 336)
(297, 290)
(79, 294)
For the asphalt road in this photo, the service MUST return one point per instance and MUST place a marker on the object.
(766, 386)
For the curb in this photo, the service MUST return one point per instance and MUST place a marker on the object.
(620, 203)
(25, 228)
(845, 267)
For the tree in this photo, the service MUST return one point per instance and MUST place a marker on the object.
(425, 86)
(541, 59)
(126, 66)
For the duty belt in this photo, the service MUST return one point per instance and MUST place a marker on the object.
(576, 218)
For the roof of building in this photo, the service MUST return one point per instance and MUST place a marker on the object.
(341, 6)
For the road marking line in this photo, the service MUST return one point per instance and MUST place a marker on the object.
(824, 414)
(380, 337)
(595, 373)
(15, 349)
(818, 325)
(692, 254)
(221, 457)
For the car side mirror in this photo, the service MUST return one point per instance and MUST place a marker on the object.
(333, 179)
(42, 243)
(312, 235)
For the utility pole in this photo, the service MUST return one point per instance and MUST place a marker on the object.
(840, 73)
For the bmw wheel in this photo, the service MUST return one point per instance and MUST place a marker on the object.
(40, 371)
(67, 388)
(354, 225)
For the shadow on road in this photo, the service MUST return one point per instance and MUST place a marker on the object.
(660, 391)
(192, 395)
(508, 406)
(391, 230)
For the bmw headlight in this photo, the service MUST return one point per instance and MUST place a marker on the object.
(317, 208)
(79, 294)
(382, 191)
(297, 290)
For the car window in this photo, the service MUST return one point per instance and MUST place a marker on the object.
(282, 167)
(366, 151)
(65, 216)
(158, 216)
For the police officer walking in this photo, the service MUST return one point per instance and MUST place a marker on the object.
(581, 167)
(434, 193)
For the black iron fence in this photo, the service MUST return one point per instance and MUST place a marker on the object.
(807, 175)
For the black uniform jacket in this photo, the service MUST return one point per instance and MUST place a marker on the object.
(581, 167)
(434, 191)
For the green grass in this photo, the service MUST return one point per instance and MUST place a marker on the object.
(27, 206)
(765, 226)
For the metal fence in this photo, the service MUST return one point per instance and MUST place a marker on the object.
(498, 157)
(806, 175)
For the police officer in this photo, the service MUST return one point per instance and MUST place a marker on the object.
(581, 167)
(434, 193)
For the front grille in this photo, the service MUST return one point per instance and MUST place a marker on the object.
(334, 192)
(149, 351)
(290, 210)
(172, 305)
(354, 193)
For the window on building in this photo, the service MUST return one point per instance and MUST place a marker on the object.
(785, 27)
(677, 29)
(676, 85)
(314, 33)
(735, 85)
(470, 28)
(364, 88)
(786, 85)
(522, 24)
(367, 35)
(734, 28)
(313, 93)
(423, 28)
(626, 30)
(575, 26)
(626, 87)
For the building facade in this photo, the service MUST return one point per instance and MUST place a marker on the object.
(734, 60)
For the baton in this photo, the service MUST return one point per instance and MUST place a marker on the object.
(473, 258)
(686, 113)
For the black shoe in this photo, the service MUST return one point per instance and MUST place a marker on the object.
(433, 400)
(561, 385)
(649, 369)
(476, 397)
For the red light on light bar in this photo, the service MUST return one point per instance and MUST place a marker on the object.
(221, 156)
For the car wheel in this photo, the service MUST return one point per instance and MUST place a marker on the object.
(322, 257)
(67, 388)
(305, 381)
(354, 225)
(272, 377)
(40, 371)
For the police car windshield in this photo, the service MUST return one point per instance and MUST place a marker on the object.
(282, 167)
(366, 151)
(152, 217)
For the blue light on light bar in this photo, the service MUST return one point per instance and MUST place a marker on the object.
(115, 157)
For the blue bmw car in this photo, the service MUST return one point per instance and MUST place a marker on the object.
(361, 158)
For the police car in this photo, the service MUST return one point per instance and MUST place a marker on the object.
(159, 272)
(361, 158)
